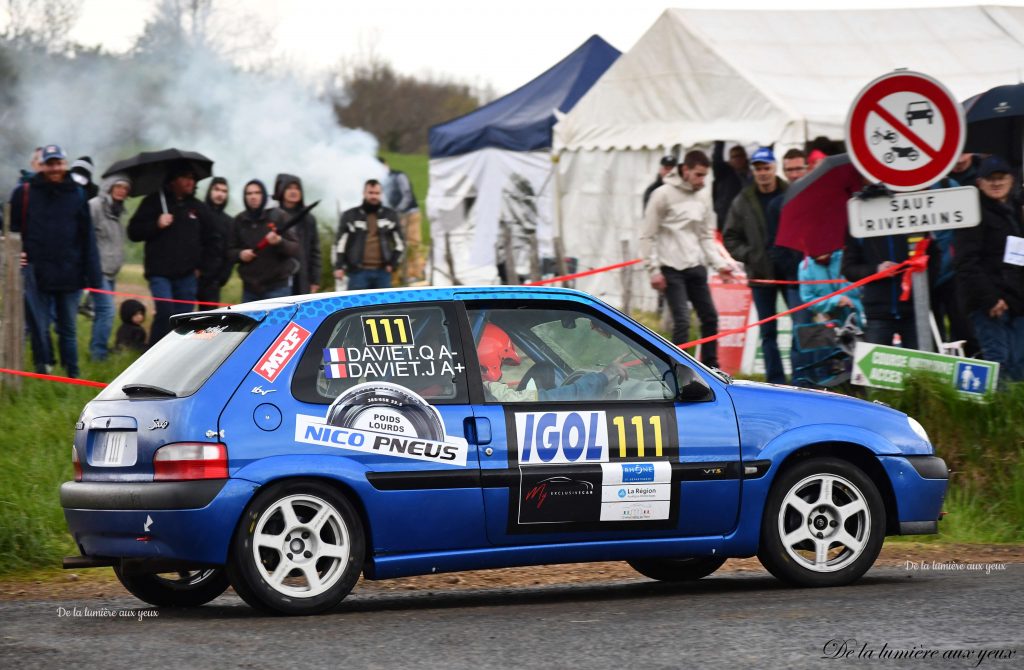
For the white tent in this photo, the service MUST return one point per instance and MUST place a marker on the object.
(494, 164)
(786, 77)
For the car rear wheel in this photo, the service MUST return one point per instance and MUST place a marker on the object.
(823, 524)
(677, 569)
(297, 550)
(190, 588)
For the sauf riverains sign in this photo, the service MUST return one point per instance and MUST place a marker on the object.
(940, 209)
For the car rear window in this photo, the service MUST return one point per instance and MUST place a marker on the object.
(183, 360)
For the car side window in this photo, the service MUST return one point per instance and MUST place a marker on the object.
(563, 354)
(415, 347)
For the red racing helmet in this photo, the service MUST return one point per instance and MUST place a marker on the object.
(495, 348)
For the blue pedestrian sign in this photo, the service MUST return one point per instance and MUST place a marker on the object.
(971, 378)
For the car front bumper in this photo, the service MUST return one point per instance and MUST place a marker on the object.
(919, 484)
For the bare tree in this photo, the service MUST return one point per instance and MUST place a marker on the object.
(397, 109)
(207, 25)
(44, 23)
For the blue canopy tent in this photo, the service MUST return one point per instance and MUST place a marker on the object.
(492, 167)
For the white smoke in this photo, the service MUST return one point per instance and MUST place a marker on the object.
(252, 124)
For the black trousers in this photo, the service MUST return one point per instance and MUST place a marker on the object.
(691, 286)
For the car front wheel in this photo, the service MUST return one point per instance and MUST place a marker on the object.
(298, 549)
(190, 588)
(677, 569)
(823, 524)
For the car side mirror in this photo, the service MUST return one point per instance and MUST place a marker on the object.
(689, 385)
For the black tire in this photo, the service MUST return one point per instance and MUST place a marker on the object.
(830, 543)
(180, 589)
(314, 569)
(677, 569)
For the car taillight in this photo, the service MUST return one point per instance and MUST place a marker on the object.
(190, 460)
(76, 464)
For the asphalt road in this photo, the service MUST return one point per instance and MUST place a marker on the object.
(729, 621)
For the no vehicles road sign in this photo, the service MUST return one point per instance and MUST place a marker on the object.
(905, 130)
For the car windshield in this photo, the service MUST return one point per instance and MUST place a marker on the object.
(183, 360)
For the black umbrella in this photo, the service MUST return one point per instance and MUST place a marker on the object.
(149, 170)
(995, 122)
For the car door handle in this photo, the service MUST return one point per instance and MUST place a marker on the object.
(478, 430)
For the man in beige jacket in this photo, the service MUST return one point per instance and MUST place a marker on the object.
(678, 240)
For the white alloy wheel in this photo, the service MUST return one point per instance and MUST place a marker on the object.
(824, 522)
(301, 546)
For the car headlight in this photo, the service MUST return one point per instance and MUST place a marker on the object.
(918, 429)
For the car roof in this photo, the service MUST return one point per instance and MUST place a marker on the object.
(395, 295)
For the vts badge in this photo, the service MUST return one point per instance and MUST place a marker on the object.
(281, 352)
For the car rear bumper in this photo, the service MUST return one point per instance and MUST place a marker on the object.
(140, 495)
(183, 521)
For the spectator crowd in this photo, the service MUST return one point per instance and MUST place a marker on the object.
(74, 233)
(976, 274)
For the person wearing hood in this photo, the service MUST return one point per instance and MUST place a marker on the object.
(81, 173)
(180, 243)
(267, 272)
(108, 215)
(678, 238)
(290, 197)
(59, 256)
(369, 244)
(217, 273)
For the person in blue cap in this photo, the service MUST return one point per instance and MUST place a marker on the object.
(988, 261)
(749, 239)
(59, 256)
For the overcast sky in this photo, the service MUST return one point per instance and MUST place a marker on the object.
(478, 42)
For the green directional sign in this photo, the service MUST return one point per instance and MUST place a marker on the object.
(886, 367)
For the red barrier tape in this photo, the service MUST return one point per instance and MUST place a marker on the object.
(888, 272)
(585, 273)
(55, 378)
(149, 297)
(795, 282)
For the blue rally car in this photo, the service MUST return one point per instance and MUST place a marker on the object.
(286, 447)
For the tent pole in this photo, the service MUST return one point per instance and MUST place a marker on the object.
(559, 249)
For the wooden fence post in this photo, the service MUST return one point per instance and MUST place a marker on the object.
(12, 317)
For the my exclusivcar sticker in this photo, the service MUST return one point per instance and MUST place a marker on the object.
(383, 418)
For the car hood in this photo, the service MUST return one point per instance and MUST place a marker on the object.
(770, 414)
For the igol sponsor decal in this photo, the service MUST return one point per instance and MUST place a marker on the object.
(383, 418)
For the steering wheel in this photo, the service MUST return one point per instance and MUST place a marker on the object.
(574, 377)
(543, 374)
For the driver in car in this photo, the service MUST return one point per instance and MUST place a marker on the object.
(495, 349)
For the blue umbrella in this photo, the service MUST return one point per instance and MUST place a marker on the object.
(995, 122)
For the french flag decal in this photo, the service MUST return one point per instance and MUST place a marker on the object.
(334, 355)
(335, 371)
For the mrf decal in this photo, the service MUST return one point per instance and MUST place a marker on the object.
(593, 470)
(281, 352)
